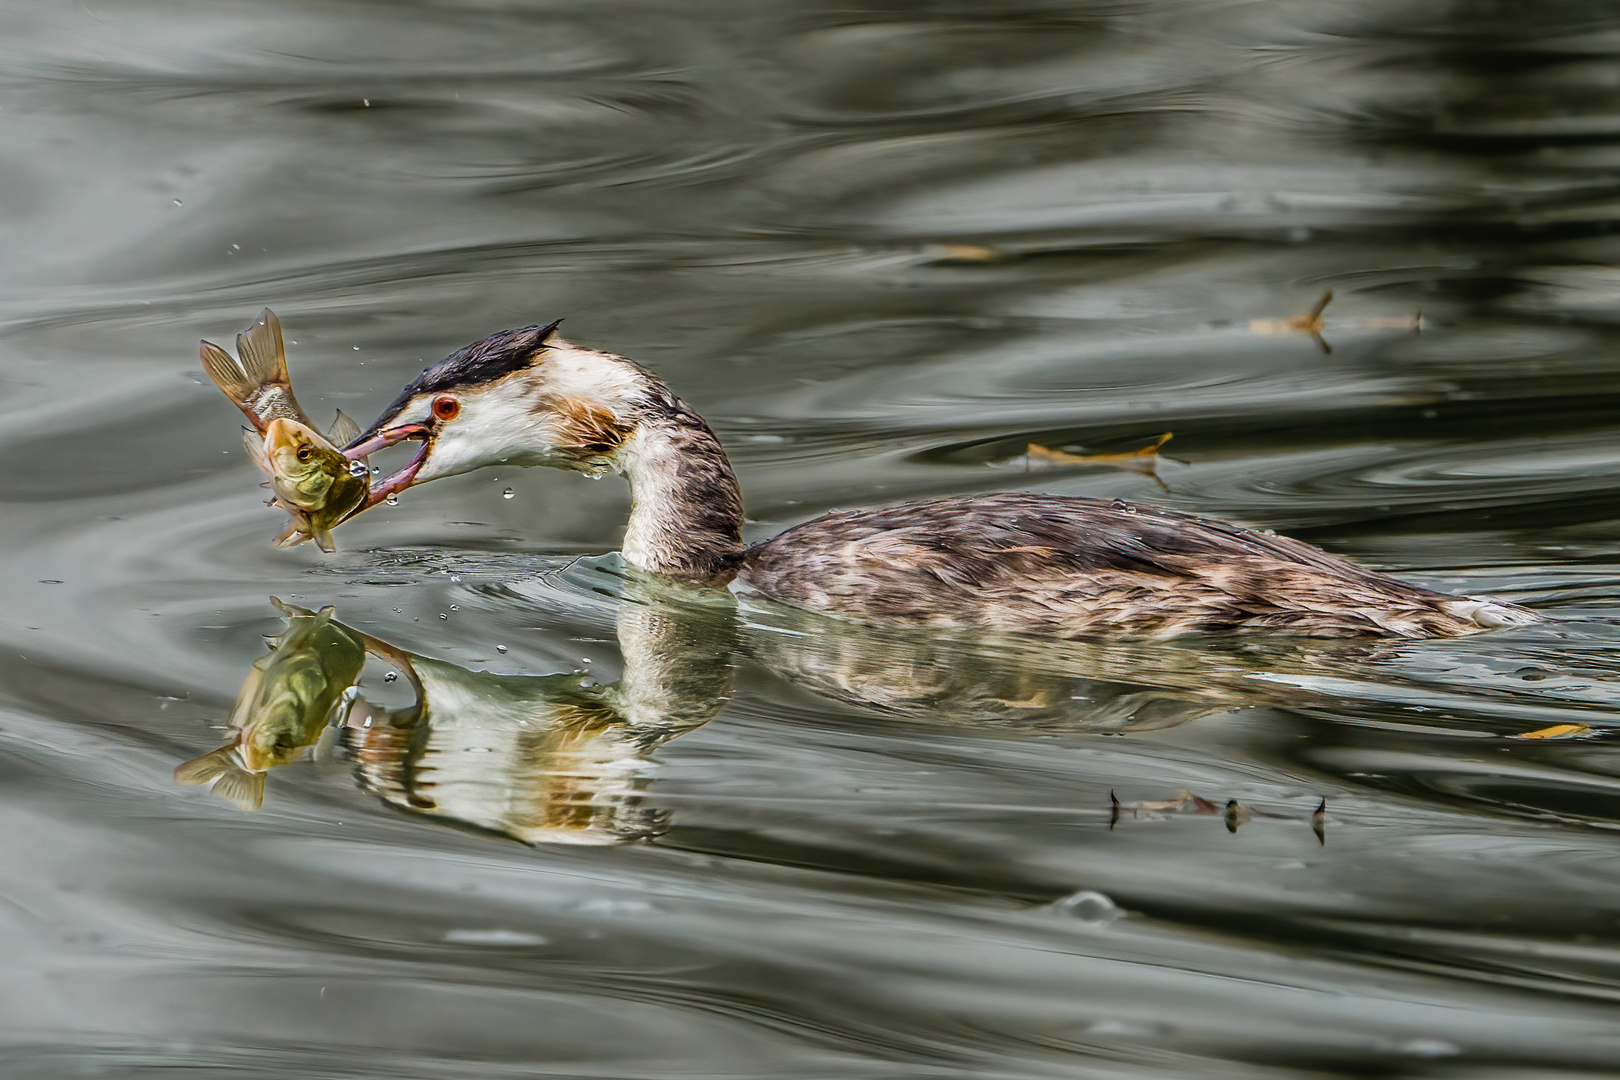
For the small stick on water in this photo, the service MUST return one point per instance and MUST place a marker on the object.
(1144, 460)
(1309, 322)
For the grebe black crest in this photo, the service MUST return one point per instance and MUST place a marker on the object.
(1053, 565)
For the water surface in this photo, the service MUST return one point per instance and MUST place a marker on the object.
(883, 248)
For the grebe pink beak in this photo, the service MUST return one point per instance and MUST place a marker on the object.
(400, 480)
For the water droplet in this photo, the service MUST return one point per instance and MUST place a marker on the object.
(455, 607)
(357, 469)
(1088, 906)
(357, 348)
(500, 648)
(177, 202)
(375, 469)
(366, 102)
(1121, 504)
(236, 247)
(584, 659)
(508, 493)
(392, 500)
(442, 615)
(391, 676)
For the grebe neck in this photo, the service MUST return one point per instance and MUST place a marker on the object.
(686, 509)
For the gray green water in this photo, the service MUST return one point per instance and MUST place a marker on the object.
(882, 247)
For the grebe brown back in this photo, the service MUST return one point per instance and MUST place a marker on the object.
(1043, 564)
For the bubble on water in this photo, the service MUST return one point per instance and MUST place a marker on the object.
(508, 493)
(500, 648)
(1087, 906)
(391, 676)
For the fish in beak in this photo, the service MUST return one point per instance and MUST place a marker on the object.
(313, 481)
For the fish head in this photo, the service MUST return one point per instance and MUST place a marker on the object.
(303, 466)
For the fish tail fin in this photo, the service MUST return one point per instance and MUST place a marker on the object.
(264, 359)
(324, 541)
(243, 788)
(231, 781)
(226, 372)
(203, 769)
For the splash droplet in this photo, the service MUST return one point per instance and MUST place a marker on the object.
(391, 676)
(177, 202)
(455, 607)
(442, 615)
(500, 648)
(392, 500)
(508, 493)
(357, 469)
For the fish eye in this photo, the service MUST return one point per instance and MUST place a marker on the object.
(446, 408)
(305, 453)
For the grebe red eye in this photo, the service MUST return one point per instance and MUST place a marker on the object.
(446, 408)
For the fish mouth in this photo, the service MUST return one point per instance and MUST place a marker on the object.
(400, 480)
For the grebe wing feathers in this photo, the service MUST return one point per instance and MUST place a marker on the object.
(1070, 567)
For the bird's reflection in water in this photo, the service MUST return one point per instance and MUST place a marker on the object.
(1038, 683)
(548, 758)
(562, 759)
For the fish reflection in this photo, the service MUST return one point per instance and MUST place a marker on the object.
(289, 698)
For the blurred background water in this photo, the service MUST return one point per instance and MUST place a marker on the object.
(883, 247)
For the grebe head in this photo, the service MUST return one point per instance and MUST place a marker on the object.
(519, 397)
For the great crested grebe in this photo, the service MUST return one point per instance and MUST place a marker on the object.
(1053, 565)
